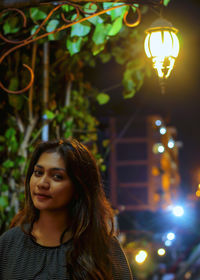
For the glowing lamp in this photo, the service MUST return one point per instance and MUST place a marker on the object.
(161, 252)
(162, 46)
(141, 256)
(171, 144)
(163, 130)
(198, 193)
(178, 211)
(170, 236)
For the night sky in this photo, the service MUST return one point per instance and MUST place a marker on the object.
(181, 103)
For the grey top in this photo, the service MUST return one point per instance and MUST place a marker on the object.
(22, 258)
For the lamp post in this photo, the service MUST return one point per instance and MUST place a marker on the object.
(162, 46)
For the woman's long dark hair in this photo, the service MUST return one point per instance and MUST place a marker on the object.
(90, 212)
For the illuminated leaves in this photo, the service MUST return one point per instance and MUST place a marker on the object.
(103, 98)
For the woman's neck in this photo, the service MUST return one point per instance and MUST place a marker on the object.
(49, 228)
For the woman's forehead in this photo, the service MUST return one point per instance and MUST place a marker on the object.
(51, 160)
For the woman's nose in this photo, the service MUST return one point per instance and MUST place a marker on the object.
(43, 182)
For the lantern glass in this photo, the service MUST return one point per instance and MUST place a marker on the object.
(162, 46)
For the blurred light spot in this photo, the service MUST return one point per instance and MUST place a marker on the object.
(163, 130)
(168, 243)
(171, 144)
(188, 275)
(178, 211)
(198, 193)
(161, 252)
(158, 122)
(141, 256)
(170, 236)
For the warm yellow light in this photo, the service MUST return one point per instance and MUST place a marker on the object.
(162, 46)
(161, 252)
(141, 256)
(198, 193)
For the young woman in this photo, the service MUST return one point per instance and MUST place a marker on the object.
(65, 230)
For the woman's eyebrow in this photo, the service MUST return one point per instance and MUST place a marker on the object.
(58, 169)
(39, 166)
(53, 168)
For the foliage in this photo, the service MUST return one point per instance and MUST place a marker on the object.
(71, 96)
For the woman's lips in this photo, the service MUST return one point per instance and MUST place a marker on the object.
(41, 196)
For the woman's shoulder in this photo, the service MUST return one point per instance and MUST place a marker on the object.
(121, 268)
(11, 234)
(115, 244)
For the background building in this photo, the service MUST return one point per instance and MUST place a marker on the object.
(144, 168)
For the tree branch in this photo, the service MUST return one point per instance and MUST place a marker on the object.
(30, 100)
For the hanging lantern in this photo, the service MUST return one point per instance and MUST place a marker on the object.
(162, 46)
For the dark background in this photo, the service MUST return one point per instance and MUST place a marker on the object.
(180, 105)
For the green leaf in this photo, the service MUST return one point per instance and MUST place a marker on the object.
(13, 145)
(105, 143)
(8, 163)
(3, 201)
(54, 37)
(133, 76)
(103, 98)
(80, 29)
(2, 139)
(118, 12)
(119, 54)
(37, 14)
(52, 25)
(67, 8)
(74, 45)
(60, 117)
(116, 27)
(129, 94)
(96, 49)
(21, 197)
(90, 8)
(10, 25)
(166, 2)
(95, 20)
(68, 133)
(49, 114)
(10, 132)
(105, 57)
(14, 83)
(103, 167)
(69, 123)
(107, 5)
(20, 160)
(34, 29)
(129, 84)
(16, 101)
(16, 173)
(4, 187)
(100, 34)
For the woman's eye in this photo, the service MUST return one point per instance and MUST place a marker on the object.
(57, 176)
(37, 172)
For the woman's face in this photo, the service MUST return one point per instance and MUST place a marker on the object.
(50, 186)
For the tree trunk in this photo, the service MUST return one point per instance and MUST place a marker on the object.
(45, 129)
